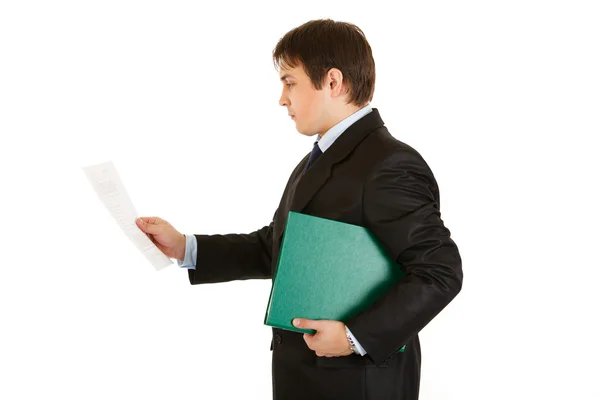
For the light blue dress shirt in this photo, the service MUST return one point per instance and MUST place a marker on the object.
(324, 142)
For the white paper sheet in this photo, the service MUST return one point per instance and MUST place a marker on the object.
(109, 188)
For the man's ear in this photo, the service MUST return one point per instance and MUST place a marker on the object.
(336, 80)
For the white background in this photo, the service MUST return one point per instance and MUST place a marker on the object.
(501, 99)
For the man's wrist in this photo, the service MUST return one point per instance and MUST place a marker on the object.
(183, 247)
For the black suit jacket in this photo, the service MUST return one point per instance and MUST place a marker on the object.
(367, 178)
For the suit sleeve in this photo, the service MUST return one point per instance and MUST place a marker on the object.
(224, 258)
(401, 208)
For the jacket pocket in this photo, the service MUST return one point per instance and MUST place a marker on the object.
(349, 361)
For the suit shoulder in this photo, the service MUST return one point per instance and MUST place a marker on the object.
(385, 150)
(382, 145)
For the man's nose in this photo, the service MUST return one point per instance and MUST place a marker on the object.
(283, 101)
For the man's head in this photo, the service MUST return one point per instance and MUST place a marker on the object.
(327, 72)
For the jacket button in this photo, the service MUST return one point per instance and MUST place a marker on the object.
(278, 339)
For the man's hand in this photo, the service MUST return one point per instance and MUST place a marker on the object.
(164, 236)
(330, 339)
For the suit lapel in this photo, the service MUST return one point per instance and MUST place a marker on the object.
(305, 186)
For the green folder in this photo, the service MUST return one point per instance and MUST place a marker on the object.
(327, 270)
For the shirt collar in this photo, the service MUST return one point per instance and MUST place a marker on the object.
(325, 141)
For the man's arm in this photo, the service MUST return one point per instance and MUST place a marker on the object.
(223, 258)
(401, 208)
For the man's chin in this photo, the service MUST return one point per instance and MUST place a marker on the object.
(305, 133)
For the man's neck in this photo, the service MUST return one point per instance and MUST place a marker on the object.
(342, 116)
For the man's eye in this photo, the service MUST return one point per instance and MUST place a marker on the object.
(288, 84)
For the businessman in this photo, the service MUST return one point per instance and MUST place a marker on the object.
(357, 173)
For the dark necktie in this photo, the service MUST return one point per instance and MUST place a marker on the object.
(316, 152)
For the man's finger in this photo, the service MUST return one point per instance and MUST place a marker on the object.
(151, 220)
(307, 323)
(147, 227)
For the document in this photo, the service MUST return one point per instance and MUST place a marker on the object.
(109, 188)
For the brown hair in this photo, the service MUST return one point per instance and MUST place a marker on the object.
(322, 44)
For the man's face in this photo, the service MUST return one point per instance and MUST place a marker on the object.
(307, 105)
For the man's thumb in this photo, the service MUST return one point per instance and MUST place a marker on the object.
(144, 226)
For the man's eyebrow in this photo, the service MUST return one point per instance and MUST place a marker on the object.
(284, 77)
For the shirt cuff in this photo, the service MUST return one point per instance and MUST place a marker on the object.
(360, 349)
(191, 253)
